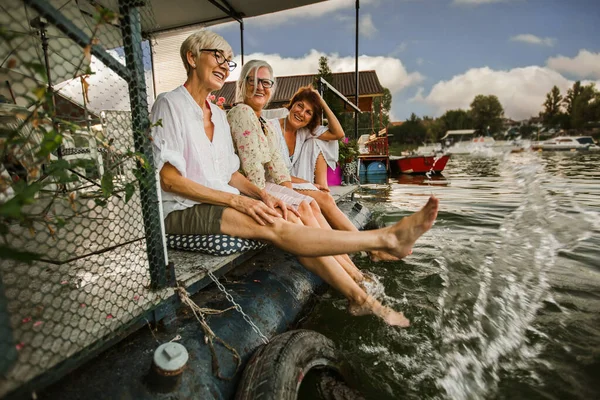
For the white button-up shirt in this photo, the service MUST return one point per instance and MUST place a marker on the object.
(182, 142)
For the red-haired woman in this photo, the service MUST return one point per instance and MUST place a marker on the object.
(308, 148)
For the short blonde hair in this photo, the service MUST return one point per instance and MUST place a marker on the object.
(249, 67)
(203, 40)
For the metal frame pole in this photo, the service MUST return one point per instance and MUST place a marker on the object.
(131, 29)
(242, 40)
(7, 340)
(356, 72)
(45, 9)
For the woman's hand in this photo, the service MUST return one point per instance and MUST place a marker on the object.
(334, 129)
(321, 187)
(318, 94)
(274, 202)
(260, 211)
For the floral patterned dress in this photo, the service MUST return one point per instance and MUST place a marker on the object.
(257, 146)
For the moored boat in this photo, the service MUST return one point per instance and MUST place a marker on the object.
(419, 164)
(567, 143)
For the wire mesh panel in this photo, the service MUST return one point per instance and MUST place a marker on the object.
(80, 234)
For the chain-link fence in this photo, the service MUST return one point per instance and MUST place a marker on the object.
(82, 254)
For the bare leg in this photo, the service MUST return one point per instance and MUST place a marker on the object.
(310, 214)
(359, 302)
(307, 241)
(330, 210)
(340, 221)
(372, 306)
(332, 271)
(321, 171)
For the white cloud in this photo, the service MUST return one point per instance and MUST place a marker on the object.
(420, 61)
(532, 39)
(366, 26)
(310, 11)
(584, 65)
(419, 95)
(391, 72)
(398, 49)
(520, 90)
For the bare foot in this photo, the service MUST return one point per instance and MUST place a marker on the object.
(368, 282)
(379, 255)
(372, 306)
(406, 232)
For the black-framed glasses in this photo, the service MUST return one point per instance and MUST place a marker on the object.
(266, 83)
(221, 59)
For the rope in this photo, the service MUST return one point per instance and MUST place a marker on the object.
(209, 335)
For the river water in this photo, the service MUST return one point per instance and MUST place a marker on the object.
(503, 293)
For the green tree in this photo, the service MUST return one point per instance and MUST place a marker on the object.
(572, 95)
(412, 131)
(527, 131)
(551, 116)
(330, 98)
(434, 127)
(487, 113)
(584, 107)
(381, 110)
(456, 119)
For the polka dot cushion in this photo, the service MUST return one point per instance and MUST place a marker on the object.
(216, 245)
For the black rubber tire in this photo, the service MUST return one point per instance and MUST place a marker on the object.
(277, 369)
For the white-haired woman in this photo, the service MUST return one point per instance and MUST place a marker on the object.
(201, 187)
(262, 149)
(261, 160)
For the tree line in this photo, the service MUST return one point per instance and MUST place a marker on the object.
(484, 115)
(578, 110)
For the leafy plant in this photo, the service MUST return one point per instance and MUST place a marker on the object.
(34, 181)
(348, 151)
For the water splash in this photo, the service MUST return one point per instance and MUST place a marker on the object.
(487, 327)
(436, 158)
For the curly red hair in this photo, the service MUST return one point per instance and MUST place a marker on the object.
(307, 94)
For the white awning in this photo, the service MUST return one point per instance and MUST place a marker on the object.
(459, 132)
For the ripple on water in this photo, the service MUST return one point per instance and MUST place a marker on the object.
(503, 293)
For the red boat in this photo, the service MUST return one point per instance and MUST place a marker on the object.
(420, 164)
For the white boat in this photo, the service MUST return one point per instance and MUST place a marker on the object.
(568, 143)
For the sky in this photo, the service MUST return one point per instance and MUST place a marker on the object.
(436, 55)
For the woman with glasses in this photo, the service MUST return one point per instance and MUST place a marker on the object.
(203, 193)
(262, 163)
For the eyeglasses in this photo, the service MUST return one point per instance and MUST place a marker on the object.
(266, 83)
(221, 59)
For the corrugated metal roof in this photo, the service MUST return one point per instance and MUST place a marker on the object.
(344, 82)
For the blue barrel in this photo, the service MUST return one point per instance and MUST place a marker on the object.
(376, 168)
